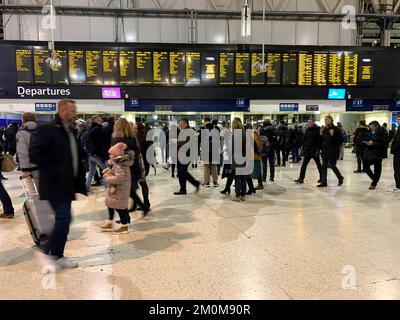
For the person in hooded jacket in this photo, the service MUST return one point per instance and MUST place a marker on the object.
(330, 151)
(360, 135)
(311, 149)
(10, 136)
(376, 150)
(23, 139)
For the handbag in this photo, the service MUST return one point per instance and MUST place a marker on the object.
(7, 163)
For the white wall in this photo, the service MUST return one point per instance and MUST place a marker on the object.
(176, 30)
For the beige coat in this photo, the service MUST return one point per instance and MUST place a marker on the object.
(120, 178)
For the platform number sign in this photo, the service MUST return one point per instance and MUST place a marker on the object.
(45, 107)
(288, 107)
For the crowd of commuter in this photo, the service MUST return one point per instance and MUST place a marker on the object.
(65, 157)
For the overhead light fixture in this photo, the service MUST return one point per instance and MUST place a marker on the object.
(246, 20)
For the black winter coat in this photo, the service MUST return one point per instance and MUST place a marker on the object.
(331, 144)
(271, 134)
(312, 141)
(99, 142)
(395, 149)
(10, 136)
(378, 150)
(360, 135)
(50, 149)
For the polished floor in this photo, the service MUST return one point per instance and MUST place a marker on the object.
(288, 242)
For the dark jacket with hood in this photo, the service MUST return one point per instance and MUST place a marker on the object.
(379, 148)
(331, 143)
(312, 141)
(51, 151)
(99, 141)
(360, 135)
(10, 135)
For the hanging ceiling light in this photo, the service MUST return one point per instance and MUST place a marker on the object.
(246, 19)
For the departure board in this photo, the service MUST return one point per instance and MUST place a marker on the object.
(41, 69)
(320, 68)
(193, 68)
(23, 61)
(59, 72)
(335, 69)
(110, 67)
(226, 68)
(160, 68)
(177, 68)
(350, 69)
(127, 69)
(94, 67)
(366, 70)
(289, 69)
(242, 68)
(257, 77)
(274, 68)
(209, 68)
(144, 67)
(76, 59)
(305, 74)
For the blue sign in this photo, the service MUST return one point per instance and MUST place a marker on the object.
(45, 107)
(337, 94)
(132, 104)
(288, 107)
(371, 105)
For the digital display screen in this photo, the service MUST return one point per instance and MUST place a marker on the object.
(242, 68)
(23, 61)
(59, 71)
(41, 68)
(257, 76)
(111, 93)
(289, 69)
(127, 70)
(335, 69)
(350, 69)
(305, 69)
(144, 67)
(366, 70)
(337, 94)
(177, 68)
(76, 62)
(94, 67)
(227, 68)
(193, 68)
(209, 69)
(274, 68)
(320, 69)
(110, 67)
(160, 68)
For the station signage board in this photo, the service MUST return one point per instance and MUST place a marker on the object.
(288, 107)
(45, 107)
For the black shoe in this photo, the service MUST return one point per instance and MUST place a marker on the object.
(173, 176)
(250, 192)
(372, 187)
(226, 191)
(180, 193)
(4, 178)
(357, 171)
(341, 180)
(272, 179)
(299, 181)
(322, 185)
(319, 181)
(6, 216)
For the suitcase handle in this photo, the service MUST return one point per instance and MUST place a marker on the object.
(29, 187)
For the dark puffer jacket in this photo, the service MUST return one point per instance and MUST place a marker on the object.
(378, 150)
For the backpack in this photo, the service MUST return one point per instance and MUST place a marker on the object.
(87, 142)
(265, 147)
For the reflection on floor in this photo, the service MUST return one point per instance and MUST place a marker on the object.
(287, 242)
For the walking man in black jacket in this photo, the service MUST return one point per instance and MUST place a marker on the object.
(55, 149)
(395, 151)
(311, 148)
(330, 151)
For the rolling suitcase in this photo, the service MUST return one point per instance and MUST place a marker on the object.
(38, 213)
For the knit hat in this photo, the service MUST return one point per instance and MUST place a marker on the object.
(118, 149)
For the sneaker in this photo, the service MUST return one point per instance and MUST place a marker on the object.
(322, 185)
(216, 185)
(299, 181)
(47, 262)
(372, 187)
(206, 185)
(6, 216)
(66, 263)
(225, 191)
(394, 190)
(107, 226)
(123, 229)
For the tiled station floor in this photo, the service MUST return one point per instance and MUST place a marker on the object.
(288, 242)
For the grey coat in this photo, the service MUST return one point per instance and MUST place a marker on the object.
(23, 145)
(120, 178)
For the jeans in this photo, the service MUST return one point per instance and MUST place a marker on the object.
(123, 215)
(324, 172)
(6, 201)
(396, 167)
(185, 176)
(376, 174)
(210, 169)
(240, 186)
(306, 161)
(295, 154)
(55, 243)
(93, 162)
(264, 160)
